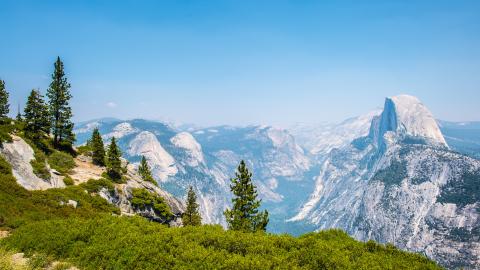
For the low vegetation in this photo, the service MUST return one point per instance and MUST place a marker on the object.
(109, 242)
(144, 200)
(61, 161)
(19, 206)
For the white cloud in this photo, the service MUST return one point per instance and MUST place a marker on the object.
(111, 104)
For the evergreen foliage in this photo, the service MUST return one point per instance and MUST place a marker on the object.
(114, 164)
(61, 161)
(97, 148)
(245, 216)
(144, 200)
(37, 121)
(4, 106)
(110, 242)
(60, 112)
(191, 217)
(145, 172)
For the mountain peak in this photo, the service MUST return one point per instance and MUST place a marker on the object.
(407, 115)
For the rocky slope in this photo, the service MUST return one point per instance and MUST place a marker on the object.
(402, 184)
(207, 158)
(19, 154)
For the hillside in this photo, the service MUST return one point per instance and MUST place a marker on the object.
(89, 224)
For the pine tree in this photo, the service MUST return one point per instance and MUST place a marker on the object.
(60, 111)
(19, 115)
(4, 106)
(98, 148)
(145, 172)
(191, 217)
(244, 216)
(37, 122)
(114, 164)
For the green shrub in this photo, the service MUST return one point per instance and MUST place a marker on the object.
(62, 162)
(84, 150)
(39, 165)
(107, 242)
(142, 199)
(19, 206)
(94, 186)
(68, 181)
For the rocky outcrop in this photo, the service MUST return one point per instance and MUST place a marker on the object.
(401, 184)
(19, 154)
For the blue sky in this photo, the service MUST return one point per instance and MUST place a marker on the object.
(242, 62)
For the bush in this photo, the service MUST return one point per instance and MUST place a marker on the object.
(39, 165)
(19, 206)
(62, 162)
(142, 200)
(107, 242)
(68, 181)
(94, 186)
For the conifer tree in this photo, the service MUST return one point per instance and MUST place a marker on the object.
(4, 106)
(191, 217)
(114, 164)
(98, 148)
(245, 216)
(60, 112)
(145, 171)
(19, 115)
(37, 121)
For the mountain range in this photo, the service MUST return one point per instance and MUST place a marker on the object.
(395, 175)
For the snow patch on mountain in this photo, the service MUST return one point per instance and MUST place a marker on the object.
(187, 142)
(146, 144)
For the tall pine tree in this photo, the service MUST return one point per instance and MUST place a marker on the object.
(145, 171)
(98, 148)
(60, 112)
(245, 216)
(191, 217)
(4, 106)
(37, 121)
(114, 164)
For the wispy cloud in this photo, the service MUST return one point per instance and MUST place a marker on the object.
(111, 104)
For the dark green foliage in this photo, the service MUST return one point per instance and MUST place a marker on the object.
(5, 130)
(84, 150)
(244, 216)
(98, 148)
(144, 200)
(68, 181)
(19, 206)
(393, 174)
(37, 121)
(39, 164)
(465, 190)
(145, 172)
(191, 217)
(61, 161)
(94, 186)
(109, 242)
(114, 164)
(60, 112)
(4, 106)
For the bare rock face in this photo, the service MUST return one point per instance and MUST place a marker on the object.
(19, 154)
(401, 184)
